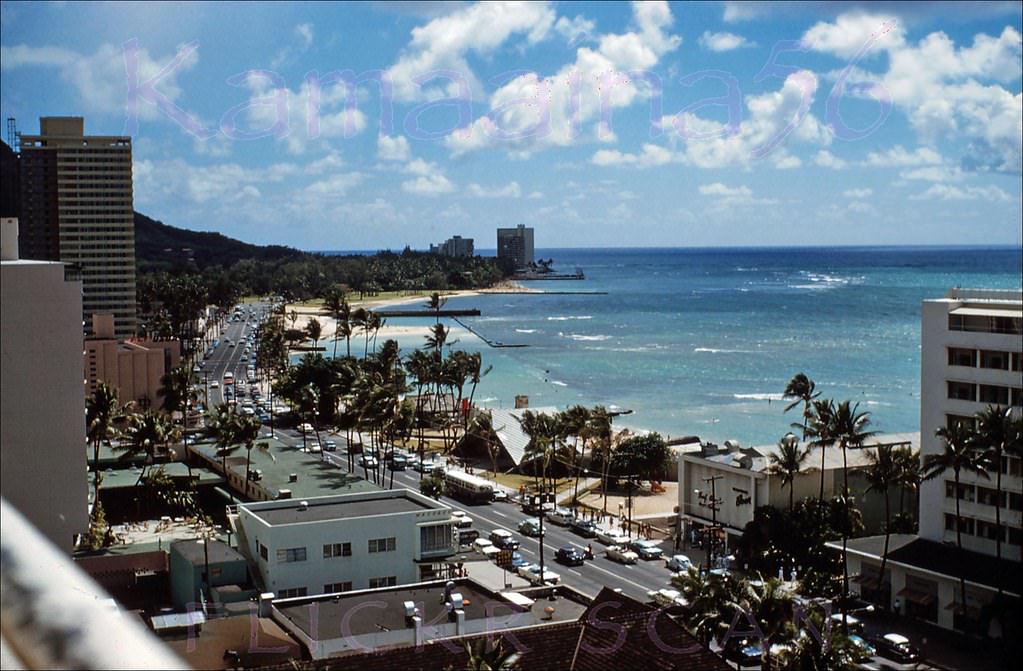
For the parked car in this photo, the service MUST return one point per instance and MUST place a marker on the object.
(866, 649)
(304, 427)
(529, 527)
(646, 549)
(743, 652)
(678, 563)
(855, 624)
(585, 528)
(518, 561)
(667, 597)
(620, 553)
(499, 495)
(467, 536)
(531, 572)
(560, 516)
(461, 519)
(611, 537)
(897, 648)
(570, 556)
(503, 539)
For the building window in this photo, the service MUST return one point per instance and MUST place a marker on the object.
(435, 538)
(382, 544)
(966, 492)
(289, 555)
(292, 592)
(952, 421)
(216, 572)
(994, 359)
(263, 551)
(958, 356)
(988, 496)
(987, 530)
(962, 391)
(331, 550)
(335, 587)
(1017, 361)
(1017, 397)
(1015, 501)
(1014, 536)
(993, 394)
(389, 581)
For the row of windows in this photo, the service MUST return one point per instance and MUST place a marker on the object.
(389, 581)
(982, 529)
(382, 544)
(984, 495)
(985, 393)
(289, 555)
(334, 587)
(985, 324)
(330, 550)
(995, 359)
(435, 538)
(292, 592)
(337, 550)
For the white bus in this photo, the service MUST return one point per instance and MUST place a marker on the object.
(461, 485)
(228, 377)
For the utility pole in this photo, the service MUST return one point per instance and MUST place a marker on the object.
(714, 503)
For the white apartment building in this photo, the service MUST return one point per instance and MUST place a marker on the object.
(77, 207)
(348, 542)
(42, 406)
(970, 357)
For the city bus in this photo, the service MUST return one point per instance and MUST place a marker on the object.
(461, 485)
(228, 377)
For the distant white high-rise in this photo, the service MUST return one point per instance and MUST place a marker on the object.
(516, 244)
(42, 403)
(77, 207)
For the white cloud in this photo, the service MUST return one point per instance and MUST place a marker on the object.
(393, 148)
(314, 112)
(652, 155)
(443, 43)
(858, 193)
(335, 186)
(575, 30)
(534, 112)
(826, 159)
(510, 190)
(935, 173)
(901, 157)
(332, 161)
(99, 80)
(719, 189)
(719, 42)
(946, 91)
(947, 192)
(429, 179)
(201, 184)
(304, 31)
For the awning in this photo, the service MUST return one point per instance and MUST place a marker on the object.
(922, 598)
(986, 312)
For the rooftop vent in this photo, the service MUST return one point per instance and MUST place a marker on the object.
(303, 505)
(293, 477)
(410, 609)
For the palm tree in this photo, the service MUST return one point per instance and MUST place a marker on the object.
(884, 473)
(313, 330)
(335, 306)
(908, 464)
(436, 303)
(771, 603)
(224, 424)
(485, 654)
(958, 455)
(600, 430)
(102, 410)
(573, 423)
(178, 392)
(802, 389)
(148, 434)
(820, 431)
(997, 432)
(788, 462)
(246, 432)
(849, 428)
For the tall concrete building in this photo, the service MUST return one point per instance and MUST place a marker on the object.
(42, 403)
(970, 357)
(516, 244)
(77, 207)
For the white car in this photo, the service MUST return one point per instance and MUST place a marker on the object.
(611, 537)
(678, 563)
(461, 519)
(367, 461)
(305, 428)
(620, 553)
(531, 572)
(214, 385)
(561, 516)
(667, 597)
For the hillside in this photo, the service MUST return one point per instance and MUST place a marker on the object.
(158, 245)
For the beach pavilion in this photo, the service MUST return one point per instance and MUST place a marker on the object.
(506, 444)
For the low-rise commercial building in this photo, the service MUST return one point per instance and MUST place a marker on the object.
(341, 543)
(135, 367)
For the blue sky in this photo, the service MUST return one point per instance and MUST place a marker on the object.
(599, 124)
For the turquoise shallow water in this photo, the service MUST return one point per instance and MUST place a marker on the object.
(703, 341)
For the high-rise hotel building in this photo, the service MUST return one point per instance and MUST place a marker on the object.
(515, 244)
(970, 358)
(77, 207)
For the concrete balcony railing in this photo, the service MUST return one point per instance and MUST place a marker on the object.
(55, 617)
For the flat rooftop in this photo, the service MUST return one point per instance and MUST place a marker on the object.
(388, 610)
(336, 508)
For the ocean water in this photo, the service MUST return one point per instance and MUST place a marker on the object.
(702, 341)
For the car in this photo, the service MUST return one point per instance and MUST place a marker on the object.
(743, 652)
(646, 549)
(314, 448)
(853, 623)
(304, 427)
(424, 466)
(214, 385)
(467, 536)
(866, 649)
(499, 495)
(897, 648)
(531, 572)
(481, 545)
(517, 560)
(560, 516)
(196, 368)
(529, 527)
(570, 556)
(678, 563)
(503, 539)
(620, 553)
(585, 528)
(398, 463)
(245, 358)
(461, 519)
(367, 461)
(611, 537)
(667, 597)
(329, 445)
